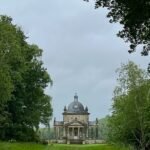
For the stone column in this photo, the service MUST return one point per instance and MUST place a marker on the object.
(64, 131)
(92, 133)
(84, 133)
(68, 141)
(96, 132)
(68, 132)
(78, 132)
(55, 132)
(58, 132)
(81, 129)
(87, 132)
(73, 132)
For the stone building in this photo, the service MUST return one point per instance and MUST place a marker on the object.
(75, 127)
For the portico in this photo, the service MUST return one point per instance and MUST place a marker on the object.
(75, 132)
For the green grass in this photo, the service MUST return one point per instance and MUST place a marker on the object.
(33, 146)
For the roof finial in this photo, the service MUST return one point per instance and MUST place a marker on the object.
(86, 109)
(76, 97)
(54, 120)
(65, 109)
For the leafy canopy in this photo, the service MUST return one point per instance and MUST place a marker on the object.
(134, 16)
(23, 78)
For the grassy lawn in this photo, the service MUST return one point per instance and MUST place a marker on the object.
(33, 146)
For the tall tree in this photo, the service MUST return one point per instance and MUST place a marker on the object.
(129, 122)
(23, 103)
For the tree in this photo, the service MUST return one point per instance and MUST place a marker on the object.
(46, 133)
(23, 103)
(134, 16)
(130, 122)
(103, 128)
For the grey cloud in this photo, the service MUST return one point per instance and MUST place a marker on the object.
(81, 50)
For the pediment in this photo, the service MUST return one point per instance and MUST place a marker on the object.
(75, 123)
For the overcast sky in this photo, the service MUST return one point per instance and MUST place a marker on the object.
(80, 49)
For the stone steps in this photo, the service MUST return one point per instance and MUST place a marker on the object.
(76, 141)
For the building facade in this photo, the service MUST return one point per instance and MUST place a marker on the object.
(75, 127)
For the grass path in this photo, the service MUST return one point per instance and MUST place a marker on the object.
(33, 146)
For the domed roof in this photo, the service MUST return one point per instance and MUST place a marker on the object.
(75, 106)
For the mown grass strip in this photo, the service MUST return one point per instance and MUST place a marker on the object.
(34, 146)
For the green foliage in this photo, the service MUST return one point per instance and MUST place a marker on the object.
(23, 103)
(32, 146)
(103, 128)
(130, 121)
(46, 133)
(134, 16)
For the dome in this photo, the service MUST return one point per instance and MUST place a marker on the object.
(76, 106)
